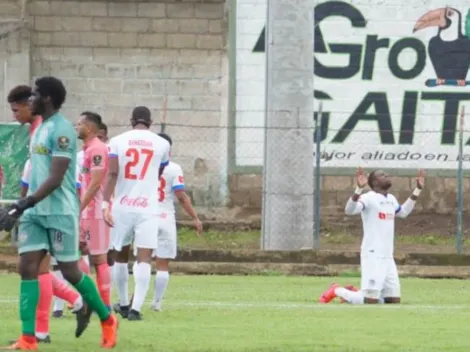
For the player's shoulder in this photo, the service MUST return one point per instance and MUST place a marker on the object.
(172, 168)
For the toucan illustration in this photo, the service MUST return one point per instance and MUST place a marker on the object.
(449, 50)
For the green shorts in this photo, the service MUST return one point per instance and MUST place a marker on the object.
(57, 234)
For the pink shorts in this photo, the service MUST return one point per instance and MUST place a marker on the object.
(95, 233)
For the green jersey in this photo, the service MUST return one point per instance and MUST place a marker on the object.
(55, 137)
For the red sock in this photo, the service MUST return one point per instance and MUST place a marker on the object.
(103, 277)
(83, 266)
(63, 291)
(44, 304)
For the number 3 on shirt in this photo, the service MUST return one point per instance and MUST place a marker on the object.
(161, 190)
(135, 155)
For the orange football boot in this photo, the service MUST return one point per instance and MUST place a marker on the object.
(24, 343)
(329, 294)
(109, 332)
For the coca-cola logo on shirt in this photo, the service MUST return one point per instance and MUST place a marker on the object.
(139, 202)
(386, 216)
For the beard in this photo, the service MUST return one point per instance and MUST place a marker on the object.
(387, 186)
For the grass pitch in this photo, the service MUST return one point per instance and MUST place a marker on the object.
(272, 313)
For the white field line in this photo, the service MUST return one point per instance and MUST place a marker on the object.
(281, 305)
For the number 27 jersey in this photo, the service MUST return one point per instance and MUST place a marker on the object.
(140, 154)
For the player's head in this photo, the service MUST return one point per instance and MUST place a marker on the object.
(167, 137)
(88, 124)
(141, 116)
(48, 95)
(103, 133)
(18, 100)
(378, 180)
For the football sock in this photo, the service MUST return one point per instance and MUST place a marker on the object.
(121, 272)
(59, 303)
(90, 295)
(83, 265)
(161, 283)
(142, 277)
(65, 293)
(103, 278)
(350, 296)
(29, 298)
(44, 304)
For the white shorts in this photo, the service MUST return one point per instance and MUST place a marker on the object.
(140, 229)
(379, 277)
(167, 237)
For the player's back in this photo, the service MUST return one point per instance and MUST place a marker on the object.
(140, 154)
(55, 137)
(172, 180)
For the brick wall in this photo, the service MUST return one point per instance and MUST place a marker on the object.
(115, 55)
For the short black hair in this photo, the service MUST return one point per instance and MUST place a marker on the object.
(370, 178)
(52, 87)
(19, 94)
(167, 137)
(141, 115)
(104, 127)
(93, 117)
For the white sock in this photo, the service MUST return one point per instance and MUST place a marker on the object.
(161, 283)
(142, 276)
(41, 335)
(381, 300)
(121, 273)
(350, 296)
(59, 304)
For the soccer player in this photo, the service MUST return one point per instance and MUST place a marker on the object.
(50, 215)
(94, 230)
(137, 160)
(378, 209)
(171, 188)
(48, 284)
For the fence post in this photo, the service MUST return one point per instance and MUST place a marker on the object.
(460, 183)
(316, 236)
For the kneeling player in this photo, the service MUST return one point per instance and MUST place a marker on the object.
(378, 209)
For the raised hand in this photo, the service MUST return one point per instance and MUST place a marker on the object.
(361, 178)
(420, 179)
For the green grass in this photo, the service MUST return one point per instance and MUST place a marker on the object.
(263, 313)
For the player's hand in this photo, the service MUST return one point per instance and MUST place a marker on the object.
(361, 178)
(17, 208)
(198, 226)
(83, 248)
(7, 221)
(108, 218)
(420, 179)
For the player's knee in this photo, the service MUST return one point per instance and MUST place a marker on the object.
(29, 265)
(144, 255)
(111, 258)
(70, 272)
(123, 255)
(162, 264)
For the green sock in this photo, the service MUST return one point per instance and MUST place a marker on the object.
(29, 298)
(91, 296)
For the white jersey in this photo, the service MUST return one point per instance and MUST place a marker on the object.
(140, 154)
(27, 173)
(171, 181)
(80, 157)
(378, 221)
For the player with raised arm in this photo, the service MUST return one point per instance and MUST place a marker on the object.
(137, 159)
(378, 209)
(49, 215)
(48, 284)
(171, 189)
(93, 229)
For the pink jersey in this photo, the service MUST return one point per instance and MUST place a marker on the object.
(95, 158)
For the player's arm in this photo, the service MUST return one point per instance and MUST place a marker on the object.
(113, 172)
(357, 203)
(405, 209)
(24, 183)
(97, 172)
(180, 193)
(165, 159)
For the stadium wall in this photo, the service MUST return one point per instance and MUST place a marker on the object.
(114, 55)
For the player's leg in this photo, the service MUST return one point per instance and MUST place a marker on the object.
(64, 236)
(166, 251)
(145, 243)
(58, 303)
(392, 290)
(33, 245)
(45, 300)
(97, 241)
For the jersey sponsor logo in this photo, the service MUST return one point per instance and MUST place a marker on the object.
(139, 202)
(40, 149)
(386, 216)
(97, 160)
(63, 142)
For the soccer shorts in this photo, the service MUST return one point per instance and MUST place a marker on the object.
(57, 234)
(95, 233)
(379, 277)
(137, 228)
(167, 237)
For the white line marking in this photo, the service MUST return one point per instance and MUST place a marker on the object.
(286, 305)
